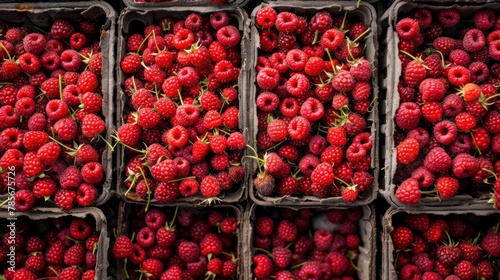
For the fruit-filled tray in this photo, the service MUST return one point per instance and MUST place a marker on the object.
(326, 242)
(435, 244)
(442, 105)
(50, 243)
(182, 105)
(314, 112)
(57, 103)
(195, 242)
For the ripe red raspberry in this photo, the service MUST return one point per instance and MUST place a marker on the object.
(268, 78)
(407, 28)
(458, 75)
(448, 17)
(464, 165)
(447, 186)
(408, 115)
(431, 90)
(437, 160)
(332, 39)
(266, 17)
(414, 73)
(407, 151)
(286, 22)
(34, 43)
(228, 36)
(474, 40)
(323, 174)
(299, 128)
(445, 132)
(484, 19)
(408, 192)
(343, 81)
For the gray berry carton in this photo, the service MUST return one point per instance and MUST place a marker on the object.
(367, 14)
(390, 74)
(129, 21)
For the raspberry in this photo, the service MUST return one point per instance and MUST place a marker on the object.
(34, 43)
(286, 22)
(408, 115)
(266, 17)
(448, 17)
(332, 39)
(407, 151)
(407, 28)
(474, 40)
(408, 192)
(437, 160)
(484, 19)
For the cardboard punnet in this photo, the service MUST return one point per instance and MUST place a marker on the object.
(389, 83)
(367, 233)
(387, 267)
(100, 226)
(41, 15)
(128, 22)
(126, 212)
(367, 14)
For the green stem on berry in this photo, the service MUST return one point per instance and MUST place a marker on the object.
(490, 172)
(182, 179)
(180, 97)
(106, 142)
(127, 146)
(361, 35)
(490, 97)
(144, 41)
(72, 239)
(59, 143)
(134, 84)
(171, 225)
(53, 270)
(298, 265)
(396, 258)
(233, 257)
(415, 58)
(149, 190)
(259, 164)
(351, 256)
(443, 64)
(342, 181)
(265, 252)
(334, 68)
(125, 268)
(342, 25)
(475, 240)
(6, 51)
(370, 107)
(132, 184)
(60, 87)
(5, 202)
(475, 143)
(273, 147)
(357, 4)
(433, 191)
(316, 37)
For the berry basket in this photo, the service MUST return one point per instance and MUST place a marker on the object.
(479, 193)
(100, 20)
(308, 221)
(184, 3)
(363, 16)
(131, 218)
(40, 221)
(130, 22)
(465, 229)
